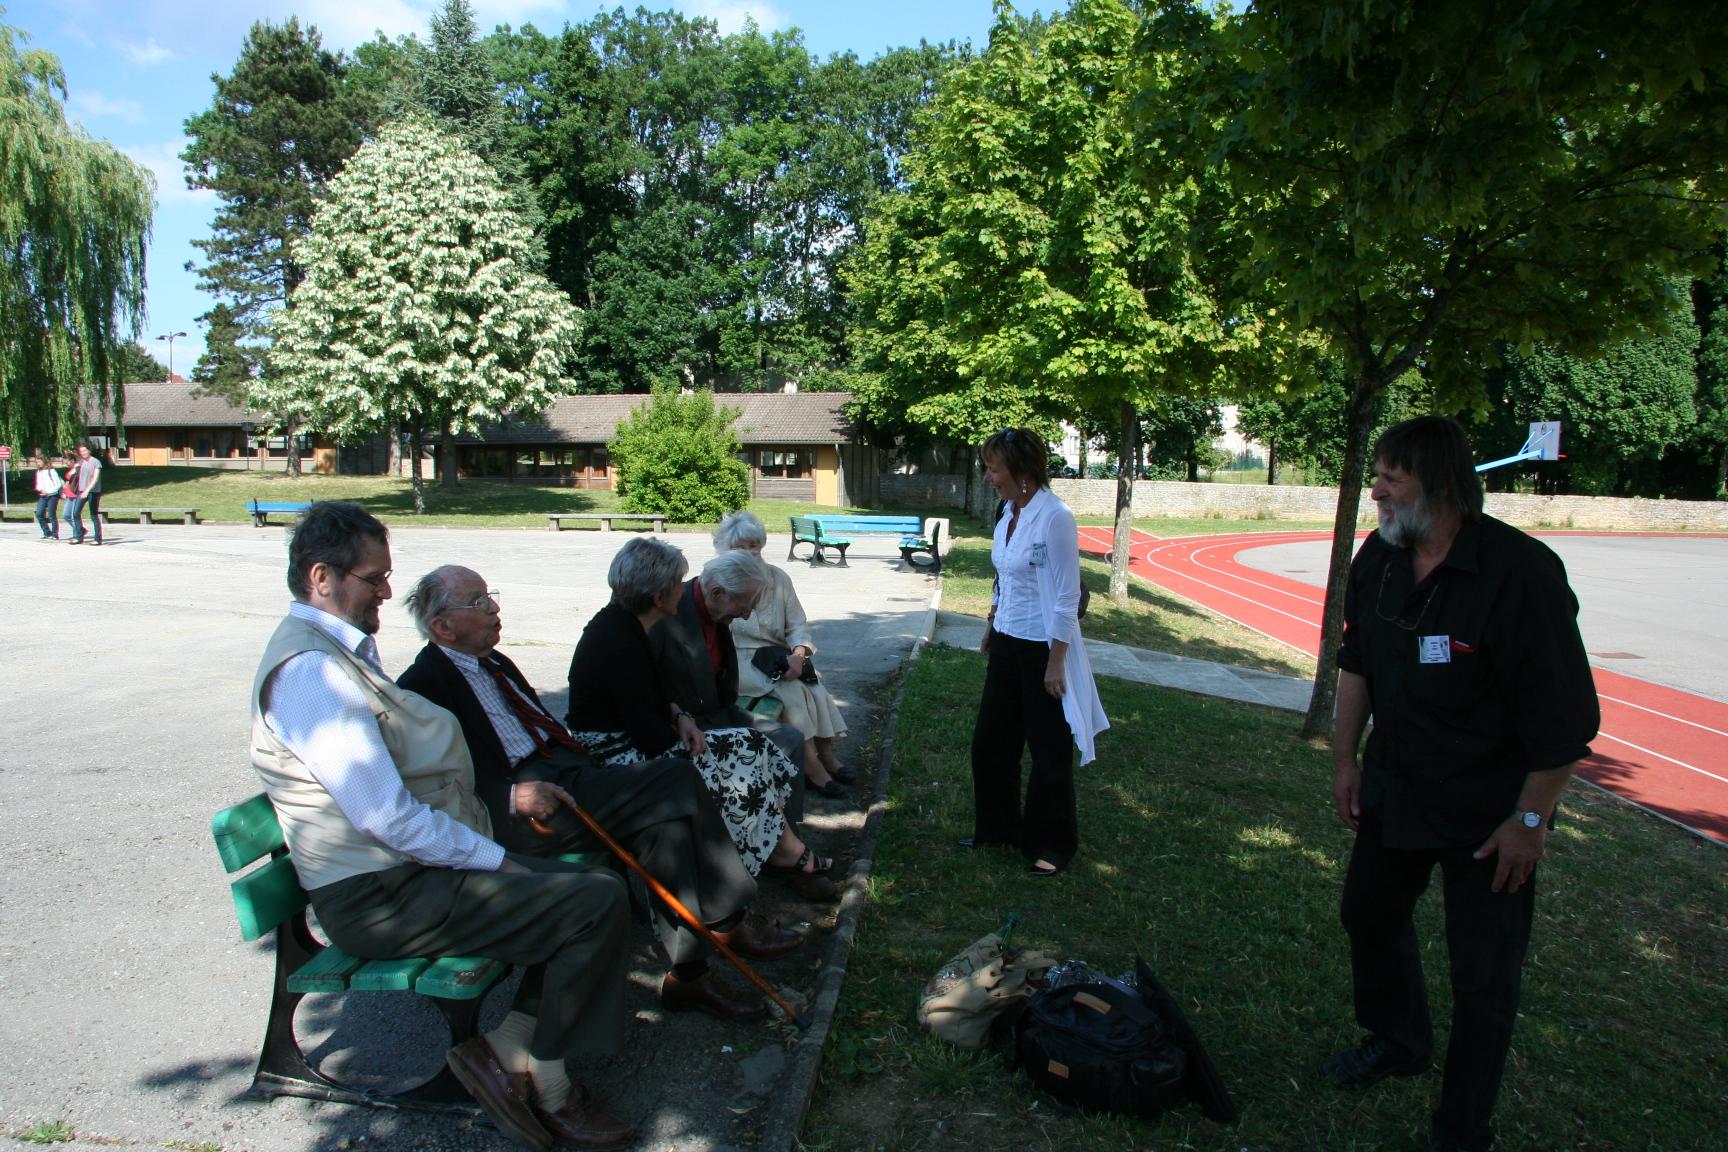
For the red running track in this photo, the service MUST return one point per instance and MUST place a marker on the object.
(1659, 747)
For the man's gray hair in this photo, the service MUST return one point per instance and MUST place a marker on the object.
(738, 529)
(740, 576)
(433, 595)
(641, 570)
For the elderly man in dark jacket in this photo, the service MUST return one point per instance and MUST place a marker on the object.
(527, 770)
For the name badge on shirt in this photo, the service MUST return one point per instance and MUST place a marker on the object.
(1040, 554)
(1435, 649)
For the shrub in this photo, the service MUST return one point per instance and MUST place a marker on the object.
(678, 455)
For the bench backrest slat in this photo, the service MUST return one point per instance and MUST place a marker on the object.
(246, 832)
(883, 525)
(266, 897)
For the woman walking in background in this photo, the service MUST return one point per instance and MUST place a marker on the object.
(1038, 688)
(47, 497)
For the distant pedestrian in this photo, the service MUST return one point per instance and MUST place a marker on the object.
(47, 497)
(1038, 689)
(88, 497)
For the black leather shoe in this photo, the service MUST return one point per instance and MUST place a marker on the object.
(833, 789)
(711, 996)
(1370, 1062)
(845, 775)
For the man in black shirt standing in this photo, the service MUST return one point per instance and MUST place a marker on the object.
(1461, 641)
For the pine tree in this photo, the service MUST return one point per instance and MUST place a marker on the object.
(281, 125)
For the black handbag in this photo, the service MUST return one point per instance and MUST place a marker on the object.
(772, 660)
(1106, 1047)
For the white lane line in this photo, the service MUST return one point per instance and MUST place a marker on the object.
(1659, 756)
(1197, 558)
(1664, 715)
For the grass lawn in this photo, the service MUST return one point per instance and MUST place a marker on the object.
(475, 504)
(1152, 618)
(1208, 844)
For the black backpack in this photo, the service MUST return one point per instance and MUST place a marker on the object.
(1105, 1047)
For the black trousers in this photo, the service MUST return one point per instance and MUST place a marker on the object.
(1016, 713)
(663, 814)
(1487, 936)
(568, 926)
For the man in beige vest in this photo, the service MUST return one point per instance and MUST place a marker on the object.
(374, 788)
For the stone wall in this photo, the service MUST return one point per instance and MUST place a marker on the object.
(1164, 498)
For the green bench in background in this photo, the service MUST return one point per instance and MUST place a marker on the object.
(836, 532)
(269, 898)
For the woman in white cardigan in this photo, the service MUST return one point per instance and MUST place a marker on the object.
(1038, 688)
(778, 621)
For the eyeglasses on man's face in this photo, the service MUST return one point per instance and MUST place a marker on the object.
(488, 602)
(376, 581)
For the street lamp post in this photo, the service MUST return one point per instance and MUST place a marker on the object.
(171, 337)
(246, 427)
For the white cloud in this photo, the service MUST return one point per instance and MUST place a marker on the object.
(729, 15)
(147, 53)
(163, 160)
(345, 23)
(94, 105)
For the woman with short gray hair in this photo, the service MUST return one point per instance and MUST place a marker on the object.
(774, 659)
(620, 706)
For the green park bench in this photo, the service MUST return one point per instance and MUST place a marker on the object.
(149, 515)
(269, 898)
(262, 510)
(837, 532)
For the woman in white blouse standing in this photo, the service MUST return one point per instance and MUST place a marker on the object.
(1038, 688)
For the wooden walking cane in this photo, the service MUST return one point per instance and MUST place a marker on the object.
(690, 919)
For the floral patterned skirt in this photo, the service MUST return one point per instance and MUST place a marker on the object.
(746, 773)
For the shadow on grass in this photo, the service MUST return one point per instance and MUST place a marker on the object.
(1209, 844)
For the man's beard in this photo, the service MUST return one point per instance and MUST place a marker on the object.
(1404, 525)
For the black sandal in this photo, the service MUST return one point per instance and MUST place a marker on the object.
(819, 865)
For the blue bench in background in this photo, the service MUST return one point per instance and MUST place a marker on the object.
(837, 532)
(261, 510)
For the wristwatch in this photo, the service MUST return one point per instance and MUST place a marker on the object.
(1530, 820)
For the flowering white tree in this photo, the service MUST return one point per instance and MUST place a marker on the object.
(419, 308)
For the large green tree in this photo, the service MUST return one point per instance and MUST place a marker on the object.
(1038, 265)
(1620, 411)
(74, 221)
(228, 364)
(419, 308)
(1709, 437)
(1428, 180)
(279, 127)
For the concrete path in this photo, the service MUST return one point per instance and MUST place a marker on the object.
(1142, 666)
(132, 1009)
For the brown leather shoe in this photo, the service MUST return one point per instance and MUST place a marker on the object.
(504, 1096)
(760, 938)
(708, 995)
(582, 1123)
(812, 886)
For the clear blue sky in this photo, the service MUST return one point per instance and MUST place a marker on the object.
(136, 70)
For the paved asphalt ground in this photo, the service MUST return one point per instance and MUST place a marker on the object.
(132, 1010)
(1650, 607)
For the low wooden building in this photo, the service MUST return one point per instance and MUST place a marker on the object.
(799, 445)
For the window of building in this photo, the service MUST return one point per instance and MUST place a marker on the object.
(786, 463)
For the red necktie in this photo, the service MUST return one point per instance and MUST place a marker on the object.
(542, 729)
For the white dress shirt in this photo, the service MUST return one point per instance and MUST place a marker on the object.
(316, 709)
(518, 743)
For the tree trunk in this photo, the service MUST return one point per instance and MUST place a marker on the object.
(416, 448)
(1364, 406)
(290, 427)
(447, 457)
(1083, 439)
(1123, 534)
(1272, 460)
